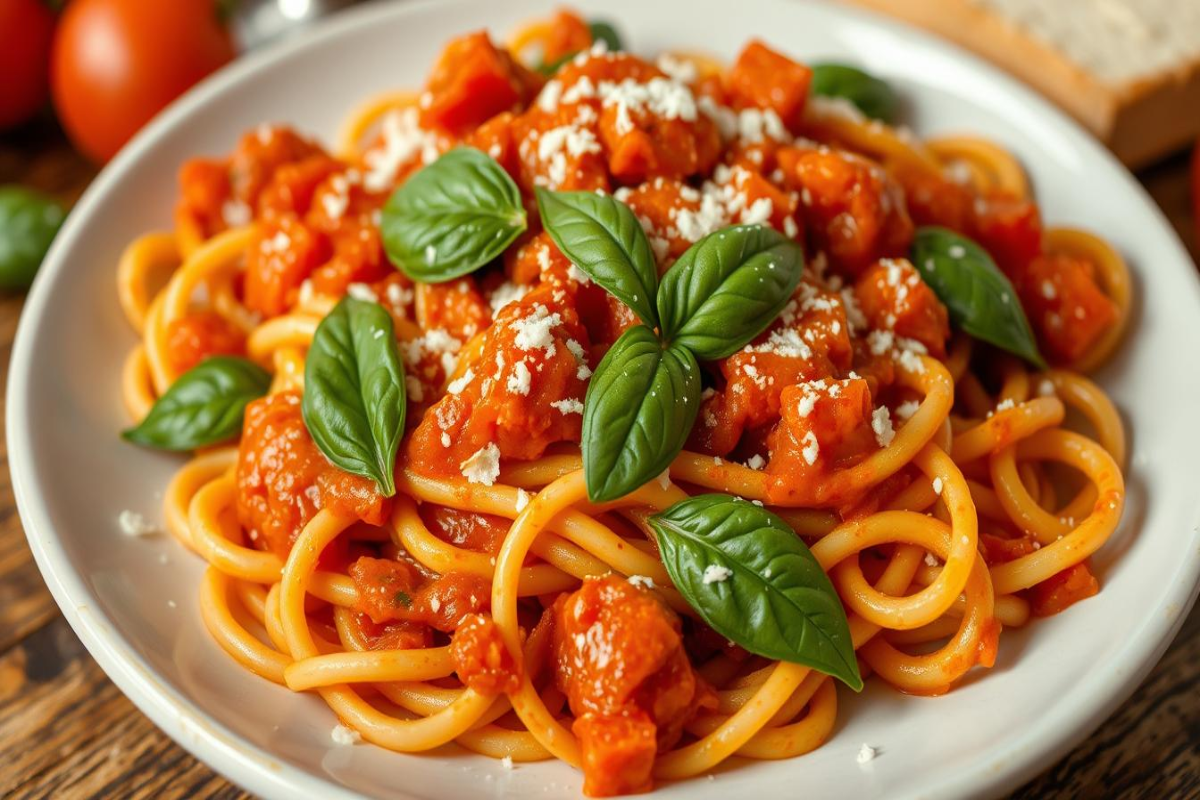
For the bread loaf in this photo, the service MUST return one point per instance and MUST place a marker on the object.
(1129, 70)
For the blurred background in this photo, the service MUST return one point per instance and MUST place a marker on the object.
(79, 77)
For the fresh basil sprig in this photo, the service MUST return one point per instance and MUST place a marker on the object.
(980, 299)
(452, 217)
(638, 411)
(727, 288)
(354, 398)
(203, 406)
(29, 221)
(872, 96)
(754, 582)
(603, 237)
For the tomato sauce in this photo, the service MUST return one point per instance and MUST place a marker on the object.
(283, 479)
(198, 335)
(619, 658)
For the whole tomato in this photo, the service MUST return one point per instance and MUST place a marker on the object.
(117, 63)
(26, 28)
(1196, 192)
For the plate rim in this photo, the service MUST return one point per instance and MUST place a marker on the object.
(253, 768)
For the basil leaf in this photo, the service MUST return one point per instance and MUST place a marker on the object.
(452, 217)
(639, 409)
(603, 237)
(29, 221)
(604, 32)
(203, 406)
(354, 400)
(980, 299)
(727, 288)
(872, 96)
(754, 582)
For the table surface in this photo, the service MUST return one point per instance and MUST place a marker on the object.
(66, 731)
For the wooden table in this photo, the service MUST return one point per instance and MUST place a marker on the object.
(66, 731)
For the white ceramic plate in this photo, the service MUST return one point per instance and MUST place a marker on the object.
(133, 601)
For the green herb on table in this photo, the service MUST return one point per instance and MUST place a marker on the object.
(29, 220)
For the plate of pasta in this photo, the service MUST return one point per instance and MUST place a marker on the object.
(504, 401)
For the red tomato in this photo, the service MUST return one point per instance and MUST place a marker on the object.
(116, 63)
(26, 28)
(1196, 191)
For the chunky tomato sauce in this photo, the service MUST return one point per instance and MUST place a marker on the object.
(619, 658)
(498, 362)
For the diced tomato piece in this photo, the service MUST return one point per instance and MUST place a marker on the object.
(495, 137)
(998, 550)
(1063, 590)
(481, 658)
(481, 533)
(473, 81)
(823, 427)
(204, 190)
(383, 585)
(1065, 304)
(620, 660)
(456, 307)
(893, 297)
(283, 253)
(525, 391)
(198, 335)
(392, 635)
(1010, 230)
(763, 78)
(809, 341)
(932, 199)
(283, 479)
(390, 590)
(855, 211)
(292, 186)
(260, 153)
(567, 34)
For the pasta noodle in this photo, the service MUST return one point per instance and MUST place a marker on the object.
(976, 513)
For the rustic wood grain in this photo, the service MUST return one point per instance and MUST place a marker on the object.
(67, 732)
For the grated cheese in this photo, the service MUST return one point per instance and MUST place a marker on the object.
(519, 381)
(534, 331)
(343, 736)
(134, 524)
(716, 573)
(462, 382)
(361, 291)
(569, 406)
(483, 466)
(505, 293)
(881, 424)
(811, 449)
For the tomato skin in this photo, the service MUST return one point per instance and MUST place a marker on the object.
(26, 30)
(117, 63)
(1196, 191)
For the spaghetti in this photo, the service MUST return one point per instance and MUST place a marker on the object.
(946, 487)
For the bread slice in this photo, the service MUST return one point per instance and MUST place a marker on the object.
(1129, 70)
